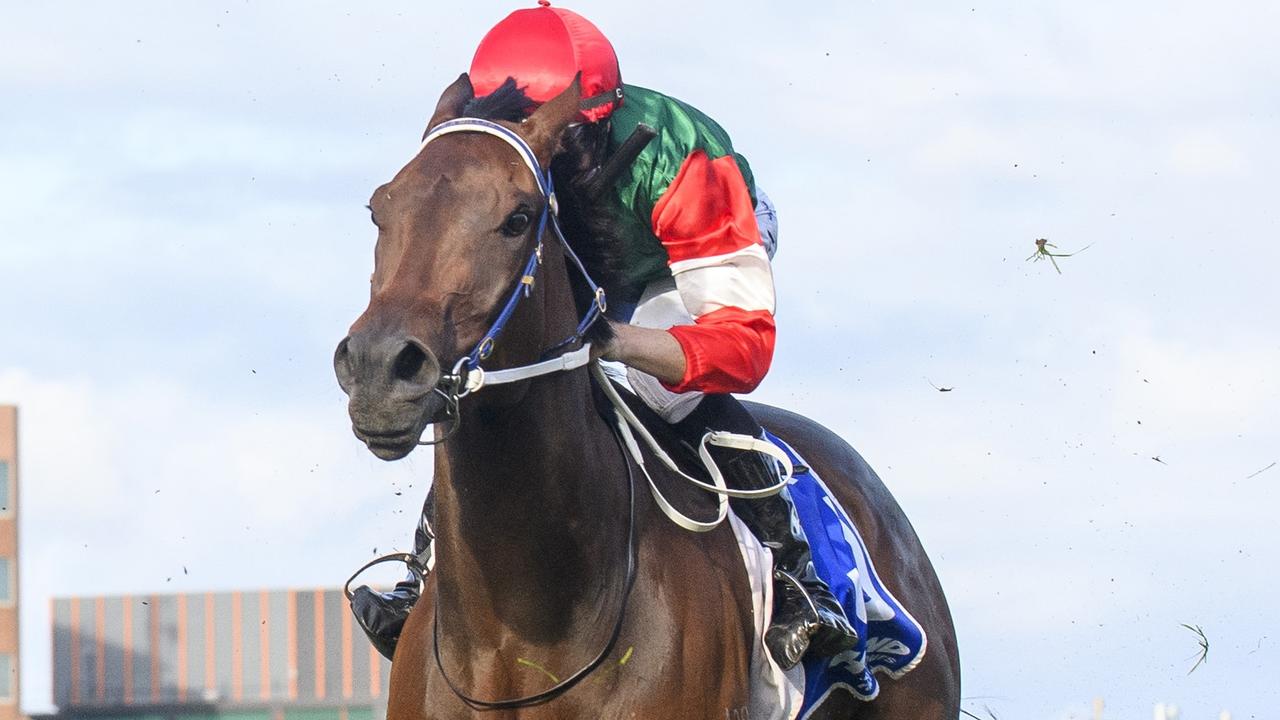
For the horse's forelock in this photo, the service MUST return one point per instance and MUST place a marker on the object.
(509, 102)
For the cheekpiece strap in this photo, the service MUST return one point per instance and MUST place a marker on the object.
(603, 98)
(524, 285)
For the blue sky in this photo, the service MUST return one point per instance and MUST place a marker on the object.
(183, 242)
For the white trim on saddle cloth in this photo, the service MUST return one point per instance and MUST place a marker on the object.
(775, 694)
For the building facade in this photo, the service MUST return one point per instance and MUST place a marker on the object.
(263, 655)
(9, 695)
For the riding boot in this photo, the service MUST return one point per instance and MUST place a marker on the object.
(806, 616)
(382, 614)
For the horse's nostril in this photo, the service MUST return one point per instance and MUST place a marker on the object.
(410, 364)
(342, 363)
(380, 363)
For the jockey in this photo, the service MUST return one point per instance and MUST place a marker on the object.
(698, 237)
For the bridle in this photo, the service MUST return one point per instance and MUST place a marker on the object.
(467, 375)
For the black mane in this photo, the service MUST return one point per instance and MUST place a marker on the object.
(588, 223)
(508, 102)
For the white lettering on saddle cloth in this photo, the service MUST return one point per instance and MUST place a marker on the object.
(871, 604)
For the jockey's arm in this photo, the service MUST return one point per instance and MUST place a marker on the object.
(649, 350)
(707, 224)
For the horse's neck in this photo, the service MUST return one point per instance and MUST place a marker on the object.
(530, 511)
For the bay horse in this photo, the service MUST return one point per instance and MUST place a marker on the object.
(551, 567)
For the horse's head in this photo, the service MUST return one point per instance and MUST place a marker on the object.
(455, 226)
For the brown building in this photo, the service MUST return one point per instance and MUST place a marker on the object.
(243, 655)
(258, 655)
(10, 709)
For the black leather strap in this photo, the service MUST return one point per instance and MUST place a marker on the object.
(603, 98)
(563, 686)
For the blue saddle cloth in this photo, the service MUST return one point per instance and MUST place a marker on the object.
(890, 641)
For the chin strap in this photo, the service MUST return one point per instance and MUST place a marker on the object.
(478, 378)
(464, 382)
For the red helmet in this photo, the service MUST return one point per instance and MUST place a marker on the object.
(543, 48)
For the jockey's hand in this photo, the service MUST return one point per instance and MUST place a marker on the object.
(602, 349)
(648, 350)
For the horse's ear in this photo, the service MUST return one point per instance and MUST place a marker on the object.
(545, 126)
(452, 100)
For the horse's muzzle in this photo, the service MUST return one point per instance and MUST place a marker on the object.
(390, 382)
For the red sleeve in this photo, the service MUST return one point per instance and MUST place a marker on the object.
(726, 351)
(707, 224)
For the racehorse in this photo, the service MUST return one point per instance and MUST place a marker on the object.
(559, 590)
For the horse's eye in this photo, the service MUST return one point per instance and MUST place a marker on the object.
(517, 222)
